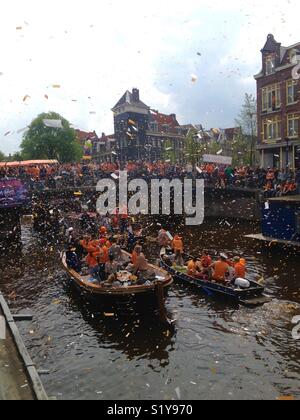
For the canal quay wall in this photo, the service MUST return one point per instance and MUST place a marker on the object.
(19, 379)
(240, 204)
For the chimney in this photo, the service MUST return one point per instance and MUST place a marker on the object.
(135, 95)
(173, 116)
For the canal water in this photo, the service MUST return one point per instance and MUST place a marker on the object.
(216, 349)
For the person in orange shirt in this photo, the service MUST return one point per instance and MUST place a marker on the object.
(239, 269)
(103, 232)
(205, 260)
(220, 269)
(192, 269)
(134, 255)
(103, 253)
(85, 243)
(177, 244)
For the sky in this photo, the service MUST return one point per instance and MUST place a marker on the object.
(95, 50)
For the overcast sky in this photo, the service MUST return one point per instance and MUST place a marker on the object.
(97, 49)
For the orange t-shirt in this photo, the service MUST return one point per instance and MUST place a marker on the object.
(104, 255)
(178, 245)
(206, 261)
(134, 258)
(220, 269)
(91, 260)
(240, 271)
(192, 267)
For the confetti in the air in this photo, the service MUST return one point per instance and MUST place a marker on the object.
(194, 78)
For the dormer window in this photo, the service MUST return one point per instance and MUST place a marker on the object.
(270, 65)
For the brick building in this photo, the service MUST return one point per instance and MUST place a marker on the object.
(131, 122)
(142, 133)
(278, 106)
(104, 149)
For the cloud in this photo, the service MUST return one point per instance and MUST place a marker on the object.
(96, 50)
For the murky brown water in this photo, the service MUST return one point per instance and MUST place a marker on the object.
(217, 350)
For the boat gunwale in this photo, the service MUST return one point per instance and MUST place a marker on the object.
(215, 287)
(117, 291)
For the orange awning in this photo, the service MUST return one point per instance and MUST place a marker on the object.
(27, 163)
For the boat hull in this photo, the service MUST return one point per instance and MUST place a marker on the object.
(95, 292)
(247, 297)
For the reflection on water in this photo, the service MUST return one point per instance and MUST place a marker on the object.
(216, 350)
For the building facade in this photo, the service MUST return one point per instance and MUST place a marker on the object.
(131, 123)
(278, 106)
(104, 149)
(142, 133)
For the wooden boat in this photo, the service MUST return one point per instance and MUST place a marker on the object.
(252, 296)
(94, 291)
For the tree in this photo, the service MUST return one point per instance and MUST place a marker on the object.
(2, 157)
(247, 120)
(193, 147)
(169, 152)
(41, 142)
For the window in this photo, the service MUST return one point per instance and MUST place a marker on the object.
(293, 125)
(271, 98)
(270, 65)
(291, 92)
(153, 126)
(271, 129)
(166, 128)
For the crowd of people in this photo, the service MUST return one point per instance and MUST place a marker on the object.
(272, 181)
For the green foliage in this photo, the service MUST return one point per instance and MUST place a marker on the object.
(41, 142)
(2, 157)
(169, 152)
(247, 120)
(241, 150)
(193, 149)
